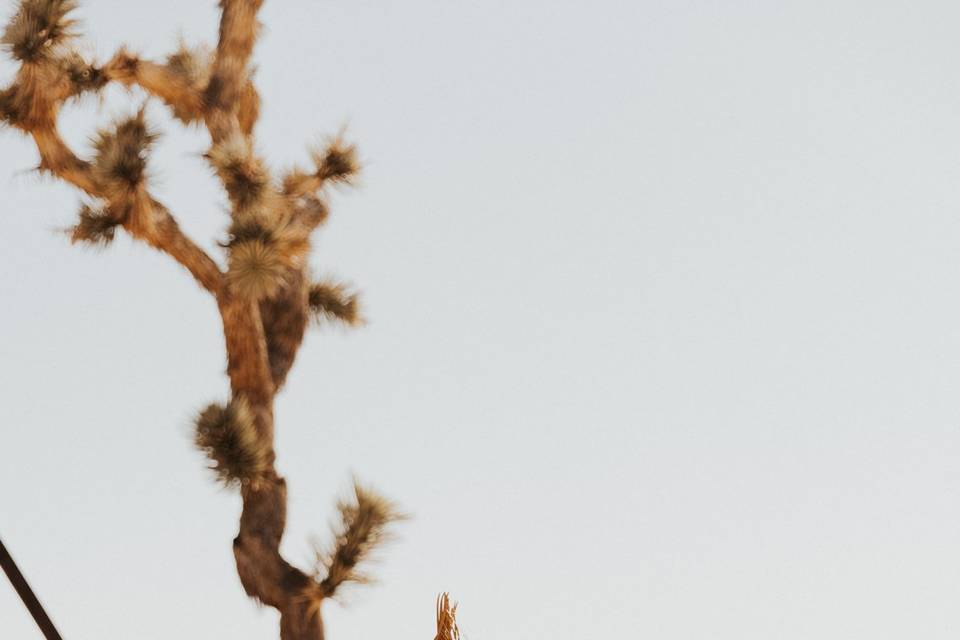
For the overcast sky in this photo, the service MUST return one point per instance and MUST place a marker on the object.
(664, 339)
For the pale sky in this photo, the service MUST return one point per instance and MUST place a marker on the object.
(664, 339)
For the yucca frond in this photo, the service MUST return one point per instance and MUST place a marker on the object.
(38, 28)
(228, 436)
(364, 522)
(331, 300)
(96, 226)
(334, 163)
(337, 162)
(190, 68)
(120, 161)
(242, 173)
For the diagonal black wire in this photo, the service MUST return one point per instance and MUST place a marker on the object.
(26, 594)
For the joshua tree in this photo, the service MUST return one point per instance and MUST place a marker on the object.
(263, 292)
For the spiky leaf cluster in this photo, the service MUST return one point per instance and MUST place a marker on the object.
(83, 75)
(337, 162)
(265, 244)
(243, 175)
(120, 162)
(191, 67)
(191, 64)
(38, 28)
(229, 438)
(95, 226)
(447, 628)
(32, 102)
(364, 521)
(330, 300)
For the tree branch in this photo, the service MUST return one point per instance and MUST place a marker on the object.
(158, 80)
(181, 83)
(230, 72)
(164, 234)
(247, 363)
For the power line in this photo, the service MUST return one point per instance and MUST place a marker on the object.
(26, 594)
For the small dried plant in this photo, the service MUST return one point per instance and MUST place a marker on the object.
(447, 628)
